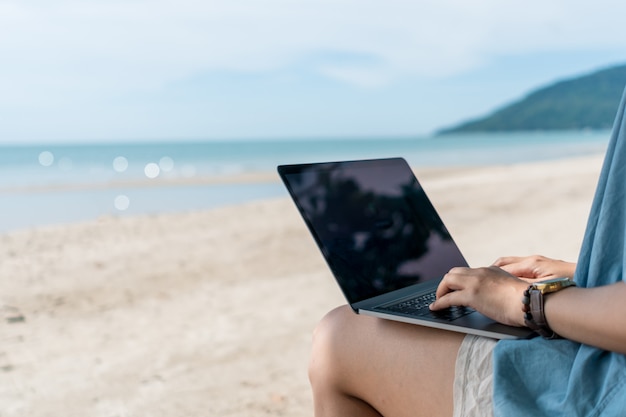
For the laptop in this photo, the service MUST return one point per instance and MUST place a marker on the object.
(384, 241)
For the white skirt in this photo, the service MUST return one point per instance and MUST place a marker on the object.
(473, 378)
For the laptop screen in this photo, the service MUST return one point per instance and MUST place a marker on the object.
(373, 223)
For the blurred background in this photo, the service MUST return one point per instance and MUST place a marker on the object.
(129, 107)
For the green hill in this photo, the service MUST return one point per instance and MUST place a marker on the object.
(586, 102)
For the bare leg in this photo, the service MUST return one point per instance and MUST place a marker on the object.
(363, 366)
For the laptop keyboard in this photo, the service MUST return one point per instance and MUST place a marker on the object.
(418, 306)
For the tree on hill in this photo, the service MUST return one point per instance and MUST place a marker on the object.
(586, 102)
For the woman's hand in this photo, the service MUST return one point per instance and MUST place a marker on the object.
(492, 291)
(536, 267)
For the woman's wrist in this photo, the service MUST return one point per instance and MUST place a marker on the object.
(533, 304)
(569, 268)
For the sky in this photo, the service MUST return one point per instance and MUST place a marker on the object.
(139, 70)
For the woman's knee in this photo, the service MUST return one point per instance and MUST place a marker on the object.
(329, 344)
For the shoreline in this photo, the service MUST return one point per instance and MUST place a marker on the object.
(257, 176)
(30, 207)
(211, 311)
(261, 177)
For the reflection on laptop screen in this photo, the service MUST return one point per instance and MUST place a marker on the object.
(374, 224)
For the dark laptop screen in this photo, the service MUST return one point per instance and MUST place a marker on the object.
(373, 223)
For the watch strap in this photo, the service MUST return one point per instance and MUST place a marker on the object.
(534, 316)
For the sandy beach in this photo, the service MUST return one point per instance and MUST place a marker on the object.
(210, 313)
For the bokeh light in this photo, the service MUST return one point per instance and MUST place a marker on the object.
(166, 164)
(46, 158)
(152, 170)
(121, 202)
(120, 164)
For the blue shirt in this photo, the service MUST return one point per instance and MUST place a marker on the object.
(541, 377)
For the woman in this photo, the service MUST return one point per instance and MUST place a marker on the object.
(419, 371)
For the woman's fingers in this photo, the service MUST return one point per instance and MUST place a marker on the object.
(450, 299)
(522, 266)
(453, 288)
(491, 290)
(507, 260)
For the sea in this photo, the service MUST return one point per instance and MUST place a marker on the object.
(60, 183)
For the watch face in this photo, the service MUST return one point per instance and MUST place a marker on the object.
(552, 285)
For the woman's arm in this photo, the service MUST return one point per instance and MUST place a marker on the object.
(593, 316)
(589, 316)
(586, 315)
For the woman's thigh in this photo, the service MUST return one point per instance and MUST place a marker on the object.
(398, 369)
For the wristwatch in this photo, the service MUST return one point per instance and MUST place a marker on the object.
(533, 300)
